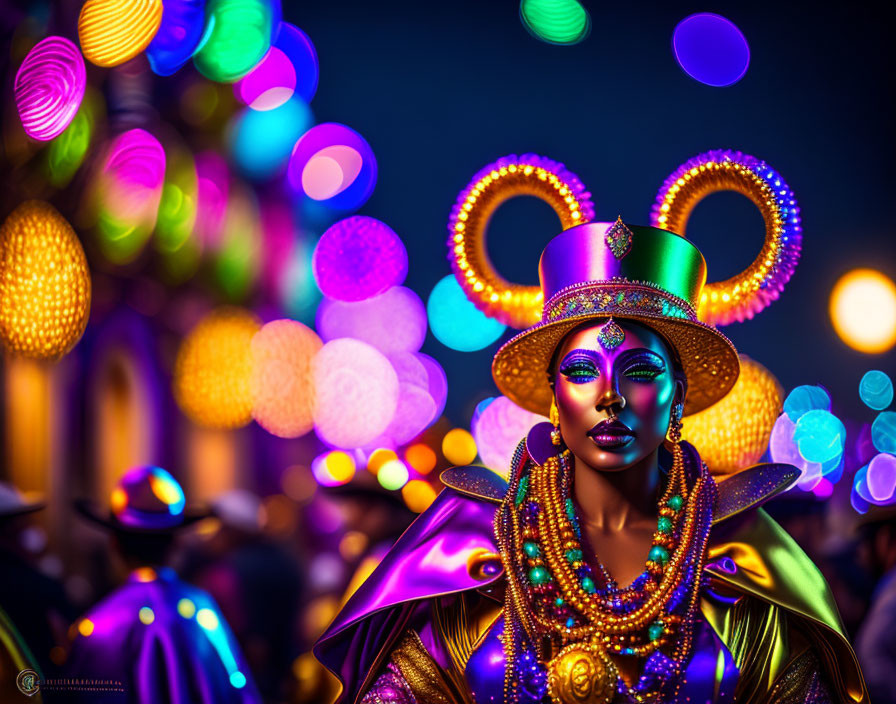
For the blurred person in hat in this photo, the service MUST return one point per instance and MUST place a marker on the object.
(876, 639)
(537, 589)
(159, 637)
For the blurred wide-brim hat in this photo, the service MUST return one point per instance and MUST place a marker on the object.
(146, 499)
(602, 270)
(13, 502)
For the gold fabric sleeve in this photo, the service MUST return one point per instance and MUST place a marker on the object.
(429, 682)
(783, 592)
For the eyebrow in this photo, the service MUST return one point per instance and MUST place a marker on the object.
(592, 354)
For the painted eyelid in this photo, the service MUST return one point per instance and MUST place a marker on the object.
(578, 364)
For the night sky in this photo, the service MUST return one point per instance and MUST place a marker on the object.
(439, 90)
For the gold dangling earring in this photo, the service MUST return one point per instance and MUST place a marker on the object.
(554, 417)
(673, 434)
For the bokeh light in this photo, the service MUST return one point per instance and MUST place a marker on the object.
(784, 450)
(49, 87)
(498, 426)
(556, 21)
(282, 388)
(130, 188)
(883, 432)
(44, 282)
(238, 35)
(410, 369)
(393, 475)
(863, 310)
(437, 379)
(114, 31)
(180, 32)
(262, 141)
(213, 180)
(238, 259)
(418, 495)
(279, 239)
(289, 68)
(335, 165)
(413, 413)
(421, 457)
(456, 322)
(297, 483)
(213, 371)
(393, 322)
(820, 436)
(357, 393)
(178, 202)
(876, 389)
(333, 468)
(379, 457)
(459, 447)
(881, 477)
(357, 258)
(298, 294)
(807, 397)
(711, 49)
(66, 152)
(733, 433)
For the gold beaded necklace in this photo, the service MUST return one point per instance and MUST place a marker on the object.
(572, 628)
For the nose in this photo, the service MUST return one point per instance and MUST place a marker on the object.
(610, 399)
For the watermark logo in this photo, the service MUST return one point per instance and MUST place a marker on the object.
(29, 683)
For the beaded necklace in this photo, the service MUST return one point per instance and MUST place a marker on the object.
(563, 620)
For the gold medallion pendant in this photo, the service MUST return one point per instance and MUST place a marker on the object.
(582, 673)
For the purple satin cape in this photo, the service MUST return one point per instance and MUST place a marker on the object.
(430, 560)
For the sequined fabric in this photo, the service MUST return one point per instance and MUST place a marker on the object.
(801, 683)
(390, 688)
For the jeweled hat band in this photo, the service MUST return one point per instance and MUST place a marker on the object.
(617, 297)
(657, 271)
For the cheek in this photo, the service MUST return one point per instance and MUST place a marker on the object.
(572, 398)
(650, 400)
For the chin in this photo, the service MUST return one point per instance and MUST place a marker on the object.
(608, 460)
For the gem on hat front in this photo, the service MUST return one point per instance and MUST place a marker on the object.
(611, 335)
(619, 239)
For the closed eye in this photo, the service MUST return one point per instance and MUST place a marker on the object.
(643, 372)
(579, 371)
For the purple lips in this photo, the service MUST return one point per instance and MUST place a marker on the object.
(611, 434)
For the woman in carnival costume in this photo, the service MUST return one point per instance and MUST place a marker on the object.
(611, 567)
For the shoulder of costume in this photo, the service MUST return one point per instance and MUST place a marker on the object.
(438, 555)
(476, 482)
(750, 553)
(752, 487)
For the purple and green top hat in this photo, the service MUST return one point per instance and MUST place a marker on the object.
(146, 500)
(600, 270)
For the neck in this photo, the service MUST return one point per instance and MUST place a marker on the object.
(612, 500)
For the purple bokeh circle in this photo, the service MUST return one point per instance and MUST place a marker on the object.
(289, 68)
(394, 321)
(358, 258)
(334, 165)
(711, 49)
